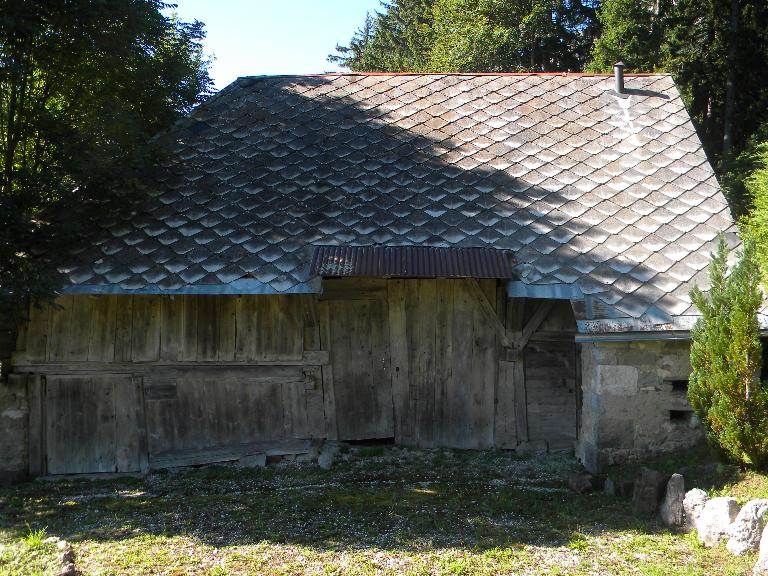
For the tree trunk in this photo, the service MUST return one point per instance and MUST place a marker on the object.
(730, 86)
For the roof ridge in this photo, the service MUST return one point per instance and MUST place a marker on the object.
(564, 74)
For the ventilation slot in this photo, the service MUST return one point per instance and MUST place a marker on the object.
(678, 385)
(680, 416)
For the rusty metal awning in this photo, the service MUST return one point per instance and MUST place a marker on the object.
(412, 262)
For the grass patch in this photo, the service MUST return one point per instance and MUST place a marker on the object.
(400, 512)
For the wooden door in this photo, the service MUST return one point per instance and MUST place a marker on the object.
(444, 362)
(94, 423)
(358, 330)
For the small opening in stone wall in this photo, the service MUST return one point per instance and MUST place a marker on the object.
(680, 415)
(679, 385)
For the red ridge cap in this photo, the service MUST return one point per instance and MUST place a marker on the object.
(568, 74)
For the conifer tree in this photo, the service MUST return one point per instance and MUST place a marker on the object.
(725, 389)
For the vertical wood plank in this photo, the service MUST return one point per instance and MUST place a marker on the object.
(130, 449)
(380, 367)
(37, 331)
(80, 328)
(329, 396)
(289, 334)
(247, 326)
(146, 328)
(227, 328)
(310, 322)
(60, 325)
(101, 344)
(190, 308)
(268, 316)
(207, 327)
(124, 329)
(443, 358)
(36, 392)
(485, 368)
(515, 323)
(425, 348)
(400, 366)
(171, 328)
(460, 434)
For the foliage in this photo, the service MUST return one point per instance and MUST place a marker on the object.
(724, 389)
(756, 225)
(503, 35)
(473, 36)
(399, 39)
(632, 32)
(84, 84)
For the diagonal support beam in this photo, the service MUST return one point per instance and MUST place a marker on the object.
(489, 312)
(534, 322)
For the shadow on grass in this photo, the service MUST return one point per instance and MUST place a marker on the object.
(432, 500)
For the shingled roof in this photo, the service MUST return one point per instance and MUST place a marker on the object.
(604, 199)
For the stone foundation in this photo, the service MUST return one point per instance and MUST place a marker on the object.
(634, 402)
(14, 426)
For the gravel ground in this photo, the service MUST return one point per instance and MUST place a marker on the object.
(377, 511)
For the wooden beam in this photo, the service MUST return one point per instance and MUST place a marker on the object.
(535, 321)
(490, 313)
(309, 358)
(36, 394)
(515, 315)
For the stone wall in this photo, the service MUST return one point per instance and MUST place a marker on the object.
(634, 402)
(14, 425)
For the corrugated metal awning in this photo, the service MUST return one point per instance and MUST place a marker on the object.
(412, 262)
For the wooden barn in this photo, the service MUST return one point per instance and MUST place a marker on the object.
(466, 261)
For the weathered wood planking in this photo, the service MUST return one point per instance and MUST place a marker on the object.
(551, 387)
(420, 359)
(445, 363)
(110, 328)
(93, 424)
(207, 408)
(359, 347)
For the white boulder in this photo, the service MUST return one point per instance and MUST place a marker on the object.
(693, 504)
(715, 518)
(761, 566)
(745, 532)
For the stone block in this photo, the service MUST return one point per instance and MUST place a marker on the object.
(671, 512)
(648, 491)
(745, 531)
(715, 519)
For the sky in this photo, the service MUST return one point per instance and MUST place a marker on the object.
(254, 37)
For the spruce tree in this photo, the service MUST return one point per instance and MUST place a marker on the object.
(725, 389)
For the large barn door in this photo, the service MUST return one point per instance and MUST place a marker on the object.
(445, 363)
(94, 423)
(357, 329)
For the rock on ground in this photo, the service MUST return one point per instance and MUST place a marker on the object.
(649, 488)
(715, 518)
(253, 461)
(327, 455)
(581, 483)
(693, 504)
(761, 566)
(672, 507)
(745, 532)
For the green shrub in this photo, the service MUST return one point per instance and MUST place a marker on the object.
(755, 225)
(725, 389)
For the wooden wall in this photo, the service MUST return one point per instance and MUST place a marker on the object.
(191, 379)
(112, 328)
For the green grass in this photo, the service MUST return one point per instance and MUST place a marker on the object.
(388, 512)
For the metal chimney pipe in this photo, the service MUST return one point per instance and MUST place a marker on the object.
(618, 76)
